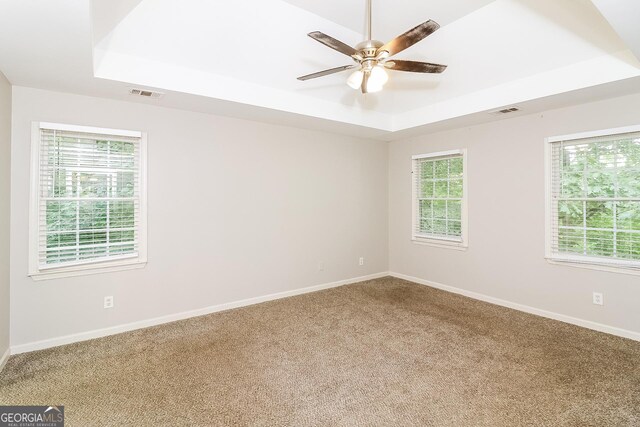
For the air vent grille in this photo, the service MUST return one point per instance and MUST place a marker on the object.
(508, 110)
(145, 93)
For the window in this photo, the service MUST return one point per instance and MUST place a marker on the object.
(593, 207)
(88, 201)
(439, 199)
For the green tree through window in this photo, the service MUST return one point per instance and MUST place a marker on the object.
(596, 197)
(88, 197)
(439, 198)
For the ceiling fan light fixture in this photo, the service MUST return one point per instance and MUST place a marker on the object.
(378, 76)
(372, 88)
(355, 79)
(373, 85)
(372, 56)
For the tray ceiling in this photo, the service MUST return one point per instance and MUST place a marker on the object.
(242, 58)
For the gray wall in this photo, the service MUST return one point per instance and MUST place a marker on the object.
(237, 209)
(5, 175)
(240, 209)
(505, 258)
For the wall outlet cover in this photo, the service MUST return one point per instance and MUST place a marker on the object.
(598, 298)
(108, 302)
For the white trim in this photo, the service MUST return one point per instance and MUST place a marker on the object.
(142, 226)
(34, 191)
(456, 246)
(592, 266)
(90, 129)
(625, 333)
(594, 134)
(435, 241)
(87, 269)
(98, 266)
(83, 336)
(4, 358)
(547, 198)
(441, 239)
(438, 154)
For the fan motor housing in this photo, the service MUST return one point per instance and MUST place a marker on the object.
(369, 48)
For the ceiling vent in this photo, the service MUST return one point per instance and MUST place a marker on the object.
(145, 93)
(508, 110)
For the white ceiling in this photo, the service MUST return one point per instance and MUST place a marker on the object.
(242, 58)
(389, 18)
(623, 16)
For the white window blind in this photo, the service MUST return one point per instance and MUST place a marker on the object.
(89, 199)
(595, 200)
(438, 195)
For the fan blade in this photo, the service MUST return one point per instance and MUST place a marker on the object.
(410, 38)
(414, 66)
(332, 43)
(326, 72)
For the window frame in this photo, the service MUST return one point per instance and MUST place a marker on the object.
(92, 267)
(436, 241)
(573, 260)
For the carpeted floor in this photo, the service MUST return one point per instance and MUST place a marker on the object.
(380, 353)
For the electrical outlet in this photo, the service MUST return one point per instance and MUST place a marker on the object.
(108, 302)
(320, 265)
(361, 260)
(598, 298)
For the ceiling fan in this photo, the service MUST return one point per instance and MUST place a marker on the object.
(372, 56)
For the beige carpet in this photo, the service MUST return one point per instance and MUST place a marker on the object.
(380, 353)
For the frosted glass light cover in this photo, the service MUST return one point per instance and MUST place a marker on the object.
(378, 76)
(355, 79)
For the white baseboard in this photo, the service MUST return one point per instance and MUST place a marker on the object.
(527, 309)
(83, 336)
(4, 358)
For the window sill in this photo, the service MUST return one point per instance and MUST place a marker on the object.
(84, 270)
(593, 266)
(438, 243)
